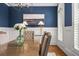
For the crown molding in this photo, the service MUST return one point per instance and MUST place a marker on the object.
(33, 4)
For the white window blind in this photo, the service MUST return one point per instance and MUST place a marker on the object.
(76, 26)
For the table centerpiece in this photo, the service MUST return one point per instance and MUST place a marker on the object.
(20, 27)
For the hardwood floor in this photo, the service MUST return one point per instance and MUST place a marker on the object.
(52, 48)
(57, 50)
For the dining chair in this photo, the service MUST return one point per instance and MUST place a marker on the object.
(45, 33)
(44, 47)
(47, 44)
(29, 35)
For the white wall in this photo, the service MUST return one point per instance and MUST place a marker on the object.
(4, 38)
(52, 30)
(12, 34)
(67, 44)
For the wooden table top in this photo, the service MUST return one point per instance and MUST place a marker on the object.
(29, 48)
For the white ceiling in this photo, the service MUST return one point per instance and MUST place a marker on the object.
(33, 4)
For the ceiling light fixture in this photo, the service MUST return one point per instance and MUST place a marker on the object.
(22, 4)
(19, 4)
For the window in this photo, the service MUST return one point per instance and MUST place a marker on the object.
(76, 26)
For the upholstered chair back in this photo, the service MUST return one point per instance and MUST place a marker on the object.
(45, 33)
(46, 43)
(29, 35)
(43, 37)
(43, 47)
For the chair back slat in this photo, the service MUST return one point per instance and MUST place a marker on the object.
(46, 43)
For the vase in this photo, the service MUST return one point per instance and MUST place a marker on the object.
(20, 39)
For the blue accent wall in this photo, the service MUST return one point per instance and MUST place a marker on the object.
(12, 15)
(50, 20)
(4, 15)
(68, 14)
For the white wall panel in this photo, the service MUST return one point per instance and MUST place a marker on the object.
(12, 34)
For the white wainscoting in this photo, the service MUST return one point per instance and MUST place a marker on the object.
(12, 34)
(4, 38)
(52, 30)
(67, 45)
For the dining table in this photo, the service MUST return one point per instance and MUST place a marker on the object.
(29, 48)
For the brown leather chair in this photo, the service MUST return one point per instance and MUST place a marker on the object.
(45, 33)
(44, 47)
(47, 44)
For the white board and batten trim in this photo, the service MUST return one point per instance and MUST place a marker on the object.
(53, 32)
(67, 44)
(12, 34)
(4, 38)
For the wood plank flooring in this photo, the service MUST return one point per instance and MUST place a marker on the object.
(52, 48)
(57, 50)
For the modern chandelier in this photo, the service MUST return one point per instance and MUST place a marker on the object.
(22, 4)
(19, 4)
